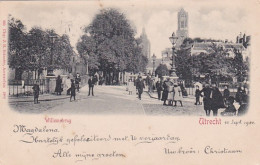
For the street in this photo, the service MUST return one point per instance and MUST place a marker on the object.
(107, 100)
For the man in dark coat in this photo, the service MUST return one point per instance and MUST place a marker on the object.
(140, 87)
(206, 99)
(36, 91)
(165, 92)
(58, 88)
(159, 88)
(91, 83)
(77, 81)
(226, 94)
(217, 100)
(72, 90)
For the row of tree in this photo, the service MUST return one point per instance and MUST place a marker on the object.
(215, 66)
(109, 45)
(32, 51)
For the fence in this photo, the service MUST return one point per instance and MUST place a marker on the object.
(24, 87)
(21, 87)
(232, 88)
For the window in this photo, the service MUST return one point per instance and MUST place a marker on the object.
(182, 24)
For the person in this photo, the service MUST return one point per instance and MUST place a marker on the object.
(91, 83)
(149, 83)
(165, 91)
(58, 88)
(131, 87)
(77, 81)
(242, 110)
(226, 94)
(177, 94)
(197, 95)
(68, 85)
(36, 91)
(170, 92)
(206, 98)
(239, 95)
(95, 78)
(140, 87)
(217, 100)
(230, 110)
(159, 88)
(72, 90)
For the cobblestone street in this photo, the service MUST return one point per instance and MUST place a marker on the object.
(107, 100)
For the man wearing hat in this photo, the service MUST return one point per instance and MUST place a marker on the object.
(140, 86)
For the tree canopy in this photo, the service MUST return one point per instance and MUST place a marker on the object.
(29, 51)
(108, 44)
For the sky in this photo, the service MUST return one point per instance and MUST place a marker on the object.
(206, 20)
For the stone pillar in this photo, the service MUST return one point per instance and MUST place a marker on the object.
(50, 84)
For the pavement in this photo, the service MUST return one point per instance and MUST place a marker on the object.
(109, 100)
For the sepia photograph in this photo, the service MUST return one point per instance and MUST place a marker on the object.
(109, 60)
(129, 82)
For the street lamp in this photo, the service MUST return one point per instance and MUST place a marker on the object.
(50, 69)
(154, 58)
(173, 40)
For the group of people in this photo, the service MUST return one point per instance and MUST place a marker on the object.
(71, 86)
(213, 100)
(169, 91)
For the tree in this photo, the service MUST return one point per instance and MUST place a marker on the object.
(17, 49)
(32, 51)
(183, 65)
(162, 70)
(109, 45)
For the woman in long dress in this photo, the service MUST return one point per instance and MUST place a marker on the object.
(177, 95)
(131, 87)
(170, 94)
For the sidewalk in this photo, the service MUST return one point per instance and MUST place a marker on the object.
(43, 97)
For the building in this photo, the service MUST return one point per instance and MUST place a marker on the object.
(145, 44)
(183, 27)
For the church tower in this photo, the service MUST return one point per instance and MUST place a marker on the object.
(145, 44)
(183, 27)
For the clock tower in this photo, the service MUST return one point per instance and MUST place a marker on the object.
(183, 26)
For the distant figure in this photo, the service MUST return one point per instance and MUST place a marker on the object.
(165, 91)
(226, 94)
(68, 85)
(91, 83)
(197, 95)
(242, 110)
(140, 87)
(72, 90)
(239, 95)
(58, 88)
(131, 87)
(177, 95)
(36, 91)
(159, 88)
(230, 110)
(77, 81)
(171, 92)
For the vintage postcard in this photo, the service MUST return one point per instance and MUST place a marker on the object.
(129, 82)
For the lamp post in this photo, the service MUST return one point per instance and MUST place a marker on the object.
(173, 40)
(154, 58)
(87, 57)
(50, 69)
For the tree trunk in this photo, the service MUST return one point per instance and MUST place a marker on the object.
(18, 74)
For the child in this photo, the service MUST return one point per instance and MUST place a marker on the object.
(72, 90)
(197, 95)
(36, 91)
(230, 110)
